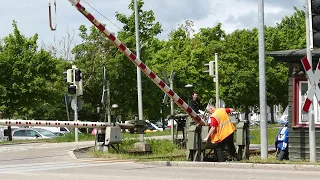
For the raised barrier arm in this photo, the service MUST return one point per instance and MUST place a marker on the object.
(184, 106)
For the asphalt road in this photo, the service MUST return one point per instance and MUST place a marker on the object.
(41, 161)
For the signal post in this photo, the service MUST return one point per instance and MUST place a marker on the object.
(74, 77)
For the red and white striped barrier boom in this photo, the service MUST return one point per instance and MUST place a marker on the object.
(78, 124)
(139, 63)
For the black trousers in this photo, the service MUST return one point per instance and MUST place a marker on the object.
(228, 141)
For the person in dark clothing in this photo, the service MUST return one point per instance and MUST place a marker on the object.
(195, 103)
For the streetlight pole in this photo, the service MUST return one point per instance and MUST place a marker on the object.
(114, 119)
(312, 134)
(262, 83)
(217, 80)
(139, 86)
(188, 92)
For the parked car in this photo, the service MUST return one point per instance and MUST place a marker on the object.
(152, 127)
(32, 134)
(57, 130)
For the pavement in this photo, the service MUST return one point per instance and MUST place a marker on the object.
(50, 161)
(235, 165)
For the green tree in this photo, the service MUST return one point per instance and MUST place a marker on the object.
(276, 73)
(238, 69)
(292, 30)
(148, 30)
(186, 54)
(29, 87)
(91, 55)
(96, 51)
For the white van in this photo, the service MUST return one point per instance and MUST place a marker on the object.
(56, 130)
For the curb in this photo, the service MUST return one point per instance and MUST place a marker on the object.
(101, 160)
(73, 156)
(281, 167)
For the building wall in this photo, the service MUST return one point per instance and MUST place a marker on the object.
(298, 136)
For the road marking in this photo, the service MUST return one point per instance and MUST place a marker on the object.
(50, 166)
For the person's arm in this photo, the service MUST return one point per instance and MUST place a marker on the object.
(213, 125)
(199, 105)
(229, 110)
(212, 129)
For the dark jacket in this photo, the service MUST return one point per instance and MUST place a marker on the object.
(195, 105)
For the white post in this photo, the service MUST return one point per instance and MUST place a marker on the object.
(312, 133)
(76, 104)
(76, 117)
(217, 80)
(262, 84)
(140, 109)
(108, 102)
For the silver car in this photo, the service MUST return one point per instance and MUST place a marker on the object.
(32, 134)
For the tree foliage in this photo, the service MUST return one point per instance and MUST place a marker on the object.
(32, 83)
(29, 78)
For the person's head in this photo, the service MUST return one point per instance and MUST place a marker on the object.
(195, 95)
(211, 109)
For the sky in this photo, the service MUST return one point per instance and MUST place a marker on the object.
(32, 15)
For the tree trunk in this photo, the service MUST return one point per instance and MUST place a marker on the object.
(247, 113)
(272, 114)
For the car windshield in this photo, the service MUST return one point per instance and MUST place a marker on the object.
(45, 132)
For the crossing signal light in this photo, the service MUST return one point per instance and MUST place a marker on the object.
(314, 11)
(78, 81)
(74, 76)
(210, 69)
(72, 89)
(68, 76)
(77, 75)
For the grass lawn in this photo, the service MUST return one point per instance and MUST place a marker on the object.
(255, 135)
(272, 160)
(163, 150)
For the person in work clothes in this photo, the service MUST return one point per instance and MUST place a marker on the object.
(221, 131)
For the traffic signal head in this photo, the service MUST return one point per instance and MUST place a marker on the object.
(315, 24)
(77, 75)
(72, 89)
(211, 68)
(68, 76)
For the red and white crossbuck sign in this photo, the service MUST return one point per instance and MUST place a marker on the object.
(314, 80)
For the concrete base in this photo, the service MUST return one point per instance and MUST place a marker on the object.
(102, 148)
(142, 147)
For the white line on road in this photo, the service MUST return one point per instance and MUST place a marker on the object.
(49, 166)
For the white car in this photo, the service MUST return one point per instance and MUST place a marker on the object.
(56, 130)
(32, 134)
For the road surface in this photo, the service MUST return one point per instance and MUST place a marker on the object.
(41, 161)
